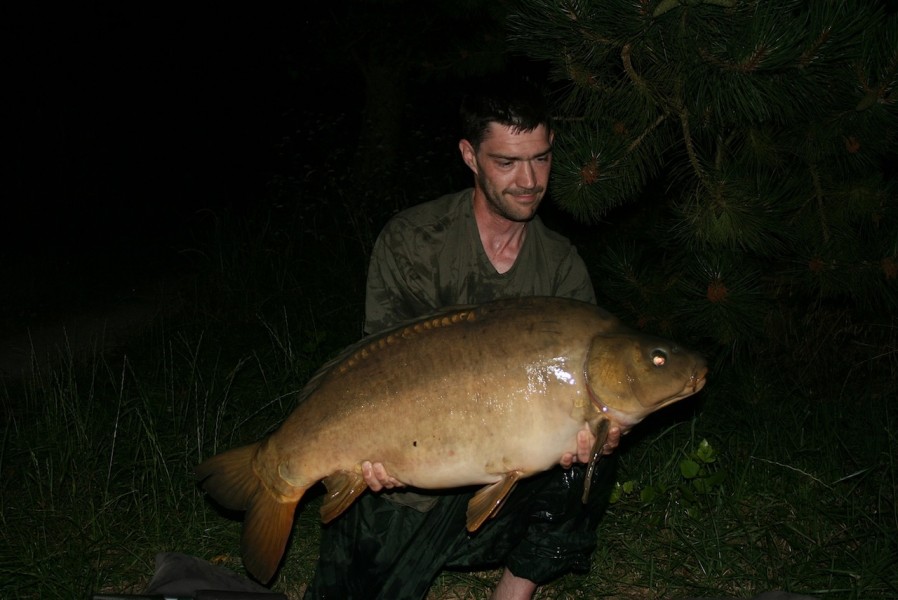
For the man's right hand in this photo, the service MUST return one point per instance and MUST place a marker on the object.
(377, 478)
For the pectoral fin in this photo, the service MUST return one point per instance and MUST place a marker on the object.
(601, 433)
(488, 500)
(343, 487)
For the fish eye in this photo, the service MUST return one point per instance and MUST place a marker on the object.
(659, 357)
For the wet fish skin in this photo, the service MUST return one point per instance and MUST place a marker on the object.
(481, 395)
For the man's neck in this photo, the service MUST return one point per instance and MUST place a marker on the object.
(502, 239)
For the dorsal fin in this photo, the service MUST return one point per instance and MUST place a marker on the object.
(370, 345)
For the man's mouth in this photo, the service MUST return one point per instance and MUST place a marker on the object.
(526, 195)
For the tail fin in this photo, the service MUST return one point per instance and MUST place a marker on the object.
(266, 529)
(230, 479)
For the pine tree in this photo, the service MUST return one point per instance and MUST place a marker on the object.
(741, 149)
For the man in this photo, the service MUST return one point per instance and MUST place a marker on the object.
(467, 248)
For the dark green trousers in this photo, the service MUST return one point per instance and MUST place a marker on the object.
(381, 550)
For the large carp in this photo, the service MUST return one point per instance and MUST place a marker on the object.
(486, 394)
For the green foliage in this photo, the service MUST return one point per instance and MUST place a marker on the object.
(753, 492)
(743, 147)
(700, 478)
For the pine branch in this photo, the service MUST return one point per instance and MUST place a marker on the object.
(690, 149)
(668, 5)
(638, 81)
(761, 128)
(636, 143)
(818, 196)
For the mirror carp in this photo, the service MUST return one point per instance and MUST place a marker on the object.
(480, 395)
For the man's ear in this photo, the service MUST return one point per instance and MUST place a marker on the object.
(468, 154)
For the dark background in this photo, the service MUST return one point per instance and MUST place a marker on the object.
(128, 118)
(130, 124)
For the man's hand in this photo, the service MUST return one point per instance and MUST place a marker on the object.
(377, 478)
(585, 441)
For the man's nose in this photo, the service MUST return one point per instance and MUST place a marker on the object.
(526, 175)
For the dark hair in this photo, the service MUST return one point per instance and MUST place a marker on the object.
(512, 102)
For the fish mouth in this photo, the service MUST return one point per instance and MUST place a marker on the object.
(698, 379)
(627, 420)
(693, 385)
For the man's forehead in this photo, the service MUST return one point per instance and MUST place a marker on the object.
(507, 140)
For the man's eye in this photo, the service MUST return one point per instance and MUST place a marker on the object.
(505, 163)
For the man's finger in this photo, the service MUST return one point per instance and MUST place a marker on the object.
(381, 473)
(613, 440)
(585, 440)
(373, 482)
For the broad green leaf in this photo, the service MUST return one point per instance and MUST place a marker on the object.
(648, 494)
(689, 468)
(705, 452)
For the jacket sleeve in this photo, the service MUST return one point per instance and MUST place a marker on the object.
(398, 287)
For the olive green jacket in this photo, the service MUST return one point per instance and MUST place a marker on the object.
(430, 256)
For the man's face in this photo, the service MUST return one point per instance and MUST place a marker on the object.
(511, 169)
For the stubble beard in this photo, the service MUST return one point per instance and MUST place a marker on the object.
(495, 199)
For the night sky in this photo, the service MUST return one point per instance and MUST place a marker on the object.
(127, 118)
